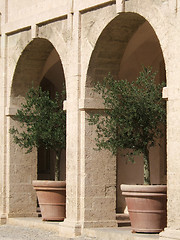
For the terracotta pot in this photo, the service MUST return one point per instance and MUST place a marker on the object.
(147, 207)
(52, 199)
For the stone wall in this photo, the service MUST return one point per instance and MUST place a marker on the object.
(91, 37)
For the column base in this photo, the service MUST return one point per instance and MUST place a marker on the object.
(169, 234)
(74, 229)
(69, 229)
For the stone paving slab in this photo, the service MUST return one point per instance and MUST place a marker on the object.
(12, 232)
(123, 233)
(36, 229)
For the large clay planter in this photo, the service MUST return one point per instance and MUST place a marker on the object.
(146, 206)
(52, 199)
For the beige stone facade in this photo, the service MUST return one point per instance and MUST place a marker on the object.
(78, 42)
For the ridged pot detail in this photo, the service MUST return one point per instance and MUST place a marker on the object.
(147, 207)
(52, 199)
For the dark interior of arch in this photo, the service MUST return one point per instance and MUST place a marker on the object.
(54, 75)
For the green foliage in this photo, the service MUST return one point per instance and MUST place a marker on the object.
(42, 122)
(134, 113)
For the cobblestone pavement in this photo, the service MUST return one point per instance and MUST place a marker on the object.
(12, 232)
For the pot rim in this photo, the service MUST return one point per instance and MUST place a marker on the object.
(144, 188)
(48, 183)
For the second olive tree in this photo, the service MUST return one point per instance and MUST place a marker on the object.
(134, 116)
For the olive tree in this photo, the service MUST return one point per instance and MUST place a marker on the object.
(133, 118)
(42, 123)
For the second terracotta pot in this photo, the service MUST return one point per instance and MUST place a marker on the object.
(146, 206)
(52, 199)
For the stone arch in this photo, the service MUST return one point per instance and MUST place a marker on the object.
(38, 61)
(30, 67)
(157, 19)
(57, 34)
(111, 44)
(127, 42)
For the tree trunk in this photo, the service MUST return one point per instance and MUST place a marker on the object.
(57, 165)
(147, 180)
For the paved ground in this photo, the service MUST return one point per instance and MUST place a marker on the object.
(10, 232)
(20, 232)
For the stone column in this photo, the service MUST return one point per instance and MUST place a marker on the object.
(98, 182)
(71, 226)
(3, 78)
(21, 170)
(172, 94)
(173, 163)
(91, 175)
(3, 215)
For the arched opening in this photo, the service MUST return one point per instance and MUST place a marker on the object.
(127, 43)
(46, 158)
(38, 65)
